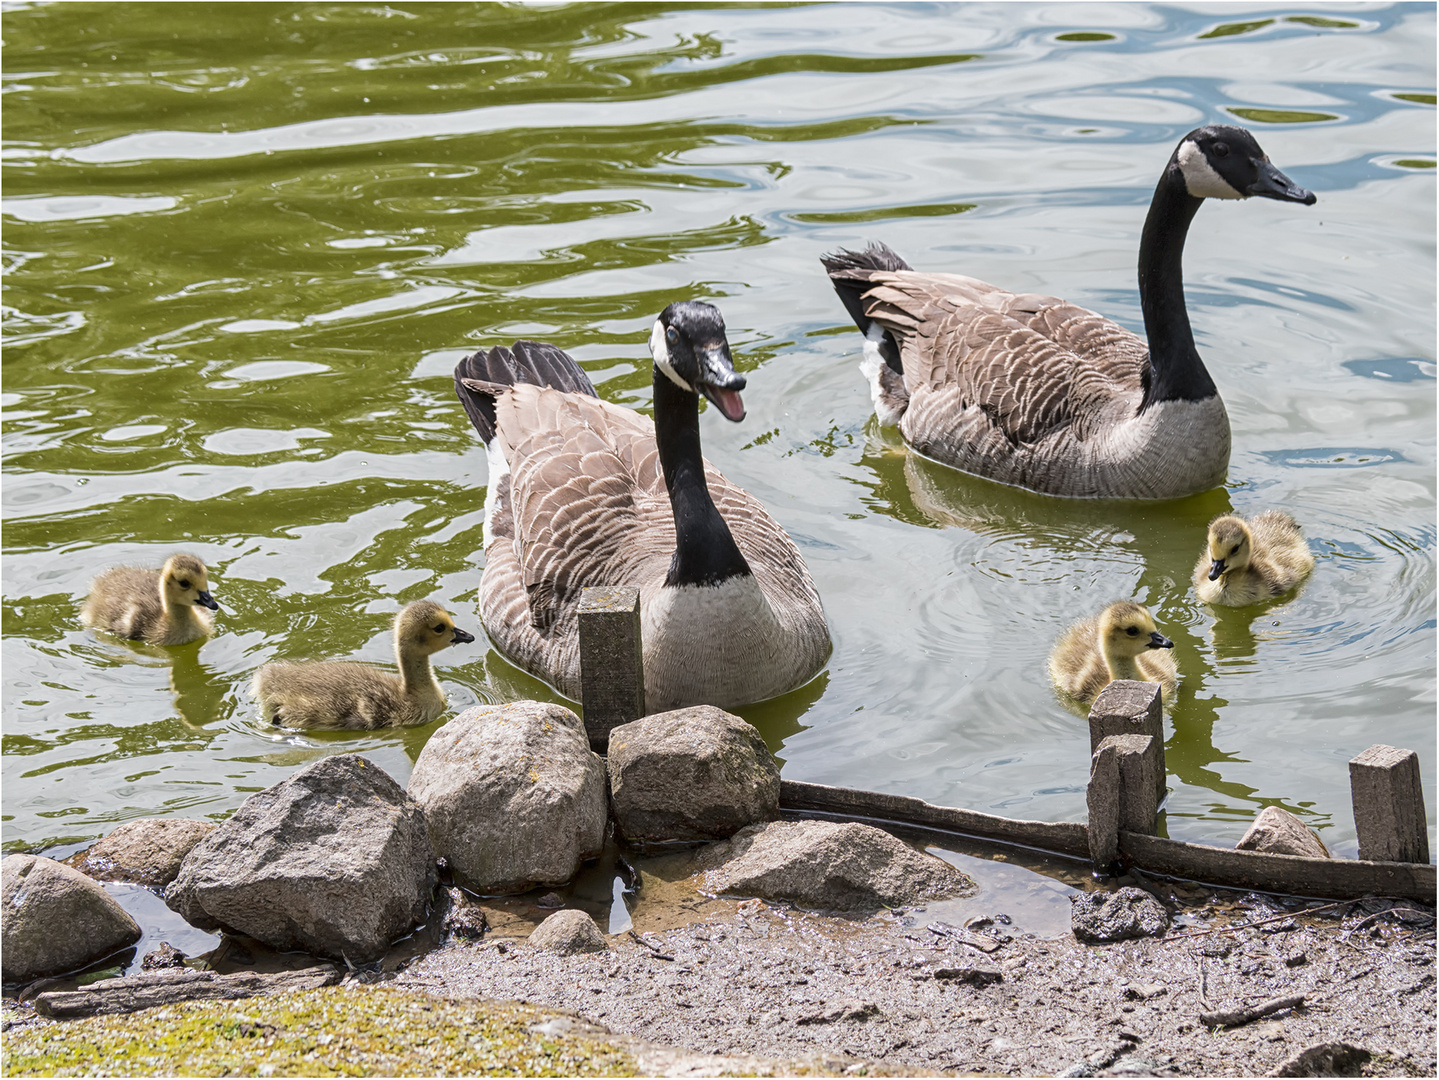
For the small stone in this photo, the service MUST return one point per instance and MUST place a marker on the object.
(1279, 832)
(974, 975)
(1118, 916)
(1296, 959)
(1144, 991)
(843, 1009)
(550, 900)
(569, 932)
(1325, 1059)
(166, 956)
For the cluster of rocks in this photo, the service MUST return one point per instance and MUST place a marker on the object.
(339, 861)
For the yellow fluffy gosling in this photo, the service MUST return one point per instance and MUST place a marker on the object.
(164, 607)
(1245, 562)
(348, 694)
(1118, 643)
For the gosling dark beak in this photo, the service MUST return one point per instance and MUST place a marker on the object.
(1273, 184)
(204, 599)
(1159, 641)
(1216, 568)
(461, 637)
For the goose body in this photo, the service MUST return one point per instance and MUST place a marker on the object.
(347, 694)
(1033, 391)
(1121, 642)
(585, 493)
(169, 606)
(1244, 562)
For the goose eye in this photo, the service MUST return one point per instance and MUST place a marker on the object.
(184, 583)
(1132, 631)
(1221, 149)
(1234, 550)
(672, 335)
(440, 629)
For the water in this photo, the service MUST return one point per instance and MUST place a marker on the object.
(246, 244)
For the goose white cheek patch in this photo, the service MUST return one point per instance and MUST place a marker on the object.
(1199, 176)
(661, 353)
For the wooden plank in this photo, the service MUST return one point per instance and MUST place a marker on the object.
(1335, 879)
(612, 667)
(135, 992)
(1065, 837)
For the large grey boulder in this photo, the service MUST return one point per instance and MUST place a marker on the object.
(690, 776)
(144, 852)
(55, 919)
(827, 865)
(569, 932)
(334, 861)
(1117, 916)
(513, 796)
(1281, 833)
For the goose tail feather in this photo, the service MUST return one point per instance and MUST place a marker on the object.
(483, 376)
(850, 272)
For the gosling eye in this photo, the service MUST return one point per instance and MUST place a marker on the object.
(1234, 550)
(1221, 149)
(184, 583)
(1132, 631)
(440, 629)
(672, 335)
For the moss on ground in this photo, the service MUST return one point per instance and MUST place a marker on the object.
(330, 1032)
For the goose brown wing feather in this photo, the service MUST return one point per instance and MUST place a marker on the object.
(1032, 364)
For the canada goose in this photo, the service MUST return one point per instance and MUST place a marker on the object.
(1244, 562)
(1118, 643)
(582, 492)
(164, 607)
(1033, 391)
(348, 694)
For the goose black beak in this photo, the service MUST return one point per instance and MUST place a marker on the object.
(1216, 568)
(204, 599)
(720, 382)
(461, 637)
(1159, 641)
(1273, 184)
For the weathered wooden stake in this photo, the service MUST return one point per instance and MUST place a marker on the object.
(1389, 805)
(612, 668)
(1130, 707)
(1122, 794)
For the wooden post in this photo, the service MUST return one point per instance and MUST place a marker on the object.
(1121, 794)
(612, 668)
(1389, 805)
(1130, 707)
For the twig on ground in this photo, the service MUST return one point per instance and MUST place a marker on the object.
(654, 949)
(1256, 922)
(1235, 1017)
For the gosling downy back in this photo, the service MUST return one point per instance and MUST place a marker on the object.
(347, 694)
(1121, 642)
(582, 492)
(1033, 391)
(169, 606)
(1244, 562)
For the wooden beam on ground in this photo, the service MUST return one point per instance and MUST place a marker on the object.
(612, 666)
(135, 992)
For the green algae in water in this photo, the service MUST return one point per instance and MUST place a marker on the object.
(1234, 29)
(1281, 116)
(1085, 35)
(883, 213)
(1418, 99)
(1321, 21)
(330, 1032)
(1414, 163)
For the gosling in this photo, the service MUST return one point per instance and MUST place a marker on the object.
(169, 606)
(1245, 562)
(344, 694)
(1118, 643)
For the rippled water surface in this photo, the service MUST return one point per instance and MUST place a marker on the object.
(246, 244)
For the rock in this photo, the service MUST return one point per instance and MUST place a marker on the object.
(974, 975)
(513, 796)
(56, 919)
(166, 956)
(827, 865)
(843, 1009)
(1117, 916)
(1143, 991)
(1325, 1059)
(463, 918)
(569, 932)
(144, 852)
(689, 777)
(1281, 833)
(334, 861)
